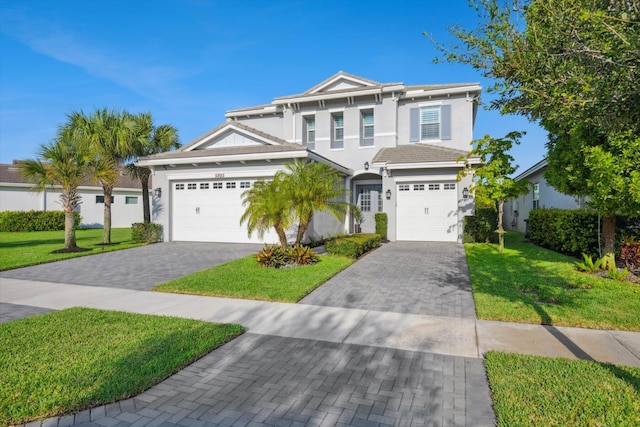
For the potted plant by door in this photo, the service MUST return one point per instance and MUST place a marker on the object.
(358, 219)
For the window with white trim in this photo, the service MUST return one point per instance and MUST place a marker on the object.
(231, 185)
(217, 185)
(403, 187)
(430, 123)
(434, 187)
(179, 186)
(204, 185)
(536, 195)
(418, 187)
(366, 139)
(310, 132)
(449, 186)
(192, 186)
(337, 130)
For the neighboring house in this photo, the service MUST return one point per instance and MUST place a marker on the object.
(16, 194)
(540, 195)
(396, 146)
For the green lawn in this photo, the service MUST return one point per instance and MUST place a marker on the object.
(530, 284)
(24, 249)
(245, 278)
(79, 358)
(538, 391)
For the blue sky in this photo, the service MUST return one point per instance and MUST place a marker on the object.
(189, 61)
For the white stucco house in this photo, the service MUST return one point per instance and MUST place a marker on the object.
(396, 146)
(16, 194)
(540, 195)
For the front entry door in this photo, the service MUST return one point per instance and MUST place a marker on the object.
(369, 200)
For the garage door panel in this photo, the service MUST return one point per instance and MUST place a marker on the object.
(210, 211)
(427, 212)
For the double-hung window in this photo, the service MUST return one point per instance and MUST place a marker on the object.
(430, 123)
(337, 131)
(366, 139)
(310, 132)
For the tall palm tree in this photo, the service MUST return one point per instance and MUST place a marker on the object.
(109, 135)
(267, 206)
(67, 163)
(314, 187)
(149, 139)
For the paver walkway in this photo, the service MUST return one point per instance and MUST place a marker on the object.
(404, 277)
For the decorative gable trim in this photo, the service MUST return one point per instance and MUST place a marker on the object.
(326, 85)
(229, 127)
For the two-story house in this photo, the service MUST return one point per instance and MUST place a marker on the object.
(396, 146)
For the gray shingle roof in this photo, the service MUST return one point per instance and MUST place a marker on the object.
(279, 145)
(418, 153)
(10, 173)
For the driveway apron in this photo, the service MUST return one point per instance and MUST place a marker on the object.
(429, 278)
(138, 268)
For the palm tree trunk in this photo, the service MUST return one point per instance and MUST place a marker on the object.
(144, 181)
(302, 228)
(106, 231)
(282, 235)
(69, 229)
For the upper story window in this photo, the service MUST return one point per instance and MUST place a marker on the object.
(430, 123)
(337, 131)
(310, 132)
(366, 139)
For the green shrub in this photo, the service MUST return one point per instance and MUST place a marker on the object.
(567, 231)
(381, 224)
(481, 227)
(353, 246)
(146, 233)
(34, 221)
(274, 256)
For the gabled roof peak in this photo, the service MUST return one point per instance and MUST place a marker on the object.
(342, 80)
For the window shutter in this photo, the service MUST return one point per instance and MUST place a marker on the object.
(414, 124)
(445, 118)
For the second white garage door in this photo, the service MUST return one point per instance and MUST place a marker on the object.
(427, 211)
(210, 211)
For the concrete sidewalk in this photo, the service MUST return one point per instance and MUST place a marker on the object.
(439, 335)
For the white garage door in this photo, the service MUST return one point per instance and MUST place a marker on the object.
(427, 211)
(210, 211)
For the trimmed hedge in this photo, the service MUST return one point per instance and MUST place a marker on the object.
(20, 221)
(481, 227)
(146, 233)
(353, 246)
(381, 224)
(574, 231)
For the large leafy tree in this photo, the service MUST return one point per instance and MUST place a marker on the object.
(313, 187)
(109, 134)
(574, 67)
(492, 180)
(67, 163)
(149, 139)
(267, 206)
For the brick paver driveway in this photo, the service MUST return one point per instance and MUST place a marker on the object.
(138, 268)
(275, 381)
(430, 278)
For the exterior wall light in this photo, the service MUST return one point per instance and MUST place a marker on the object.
(366, 166)
(388, 194)
(465, 193)
(157, 192)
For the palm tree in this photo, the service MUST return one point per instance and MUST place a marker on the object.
(314, 187)
(109, 136)
(67, 163)
(149, 139)
(267, 206)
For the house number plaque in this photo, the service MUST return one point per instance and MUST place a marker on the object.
(219, 175)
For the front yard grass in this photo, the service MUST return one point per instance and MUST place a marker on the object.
(245, 278)
(70, 360)
(538, 391)
(530, 284)
(18, 249)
